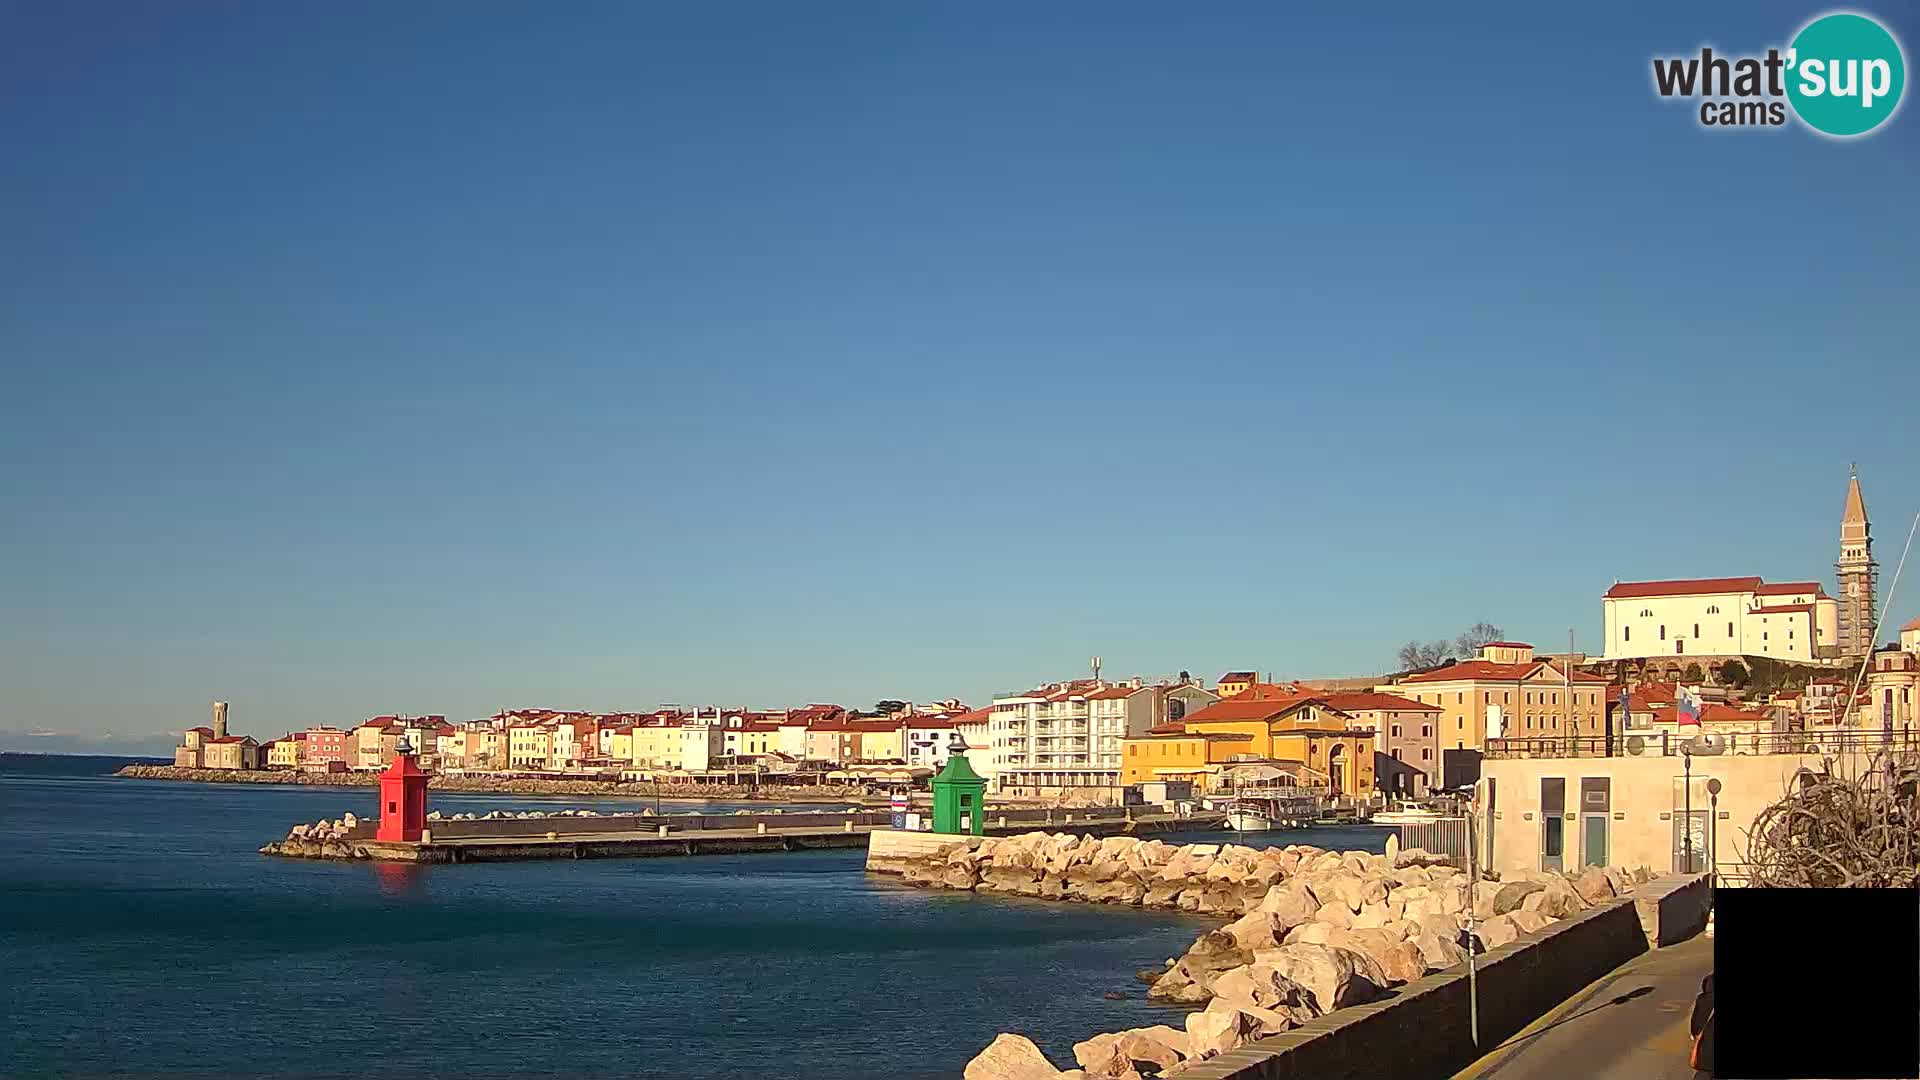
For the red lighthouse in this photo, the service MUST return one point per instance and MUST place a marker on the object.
(403, 798)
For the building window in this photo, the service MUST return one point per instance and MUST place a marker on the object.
(1396, 731)
(1627, 634)
(1646, 613)
(1696, 629)
(1713, 609)
(1426, 753)
(1729, 629)
(1426, 730)
(1663, 631)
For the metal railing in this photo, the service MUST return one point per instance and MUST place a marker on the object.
(1445, 836)
(1631, 743)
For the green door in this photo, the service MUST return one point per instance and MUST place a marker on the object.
(1595, 846)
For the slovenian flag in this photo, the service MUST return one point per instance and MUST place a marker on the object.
(1689, 706)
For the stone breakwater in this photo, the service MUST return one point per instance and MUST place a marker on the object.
(1314, 931)
(335, 839)
(505, 786)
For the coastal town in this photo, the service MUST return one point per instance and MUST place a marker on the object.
(1728, 667)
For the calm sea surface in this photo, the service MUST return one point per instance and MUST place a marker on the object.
(141, 935)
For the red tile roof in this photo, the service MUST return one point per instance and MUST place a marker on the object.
(1360, 700)
(1239, 676)
(975, 716)
(1783, 609)
(1711, 714)
(1266, 691)
(1784, 588)
(1488, 671)
(1242, 708)
(206, 730)
(1507, 645)
(1682, 587)
(1112, 692)
(1914, 625)
(232, 739)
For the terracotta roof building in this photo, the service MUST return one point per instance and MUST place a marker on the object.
(1482, 698)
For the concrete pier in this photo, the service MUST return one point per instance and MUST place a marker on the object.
(520, 840)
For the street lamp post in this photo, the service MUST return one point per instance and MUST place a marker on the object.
(1686, 828)
(1713, 817)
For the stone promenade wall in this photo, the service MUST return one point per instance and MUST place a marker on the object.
(1424, 1030)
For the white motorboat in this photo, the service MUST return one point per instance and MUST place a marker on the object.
(1411, 815)
(1245, 817)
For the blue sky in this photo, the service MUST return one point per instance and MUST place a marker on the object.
(442, 357)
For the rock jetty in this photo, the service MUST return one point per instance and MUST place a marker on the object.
(1313, 931)
(335, 839)
(508, 786)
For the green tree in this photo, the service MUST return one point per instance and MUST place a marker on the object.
(887, 707)
(1734, 673)
(1693, 674)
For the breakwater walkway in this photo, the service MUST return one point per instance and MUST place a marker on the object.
(643, 836)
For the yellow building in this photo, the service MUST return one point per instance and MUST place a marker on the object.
(1324, 746)
(1510, 692)
(285, 753)
(1235, 682)
(879, 740)
(617, 742)
(529, 746)
(677, 746)
(374, 742)
(1175, 755)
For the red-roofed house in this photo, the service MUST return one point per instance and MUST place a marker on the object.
(327, 749)
(284, 752)
(1235, 682)
(230, 752)
(1910, 637)
(1514, 697)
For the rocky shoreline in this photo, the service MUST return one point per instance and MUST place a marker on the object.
(504, 786)
(1315, 931)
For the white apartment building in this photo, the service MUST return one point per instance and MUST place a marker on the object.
(1719, 617)
(1066, 736)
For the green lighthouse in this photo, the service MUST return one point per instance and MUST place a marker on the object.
(959, 794)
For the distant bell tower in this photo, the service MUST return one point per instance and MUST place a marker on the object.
(1858, 573)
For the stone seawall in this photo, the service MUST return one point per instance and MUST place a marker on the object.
(1317, 931)
(505, 786)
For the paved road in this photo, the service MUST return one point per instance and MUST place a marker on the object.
(1630, 1025)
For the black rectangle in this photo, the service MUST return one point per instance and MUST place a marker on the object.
(1854, 955)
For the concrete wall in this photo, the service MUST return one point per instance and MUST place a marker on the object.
(1647, 798)
(1423, 1031)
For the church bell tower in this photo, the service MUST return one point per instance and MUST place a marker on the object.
(1857, 572)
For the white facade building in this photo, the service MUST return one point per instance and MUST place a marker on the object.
(1793, 621)
(1065, 736)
